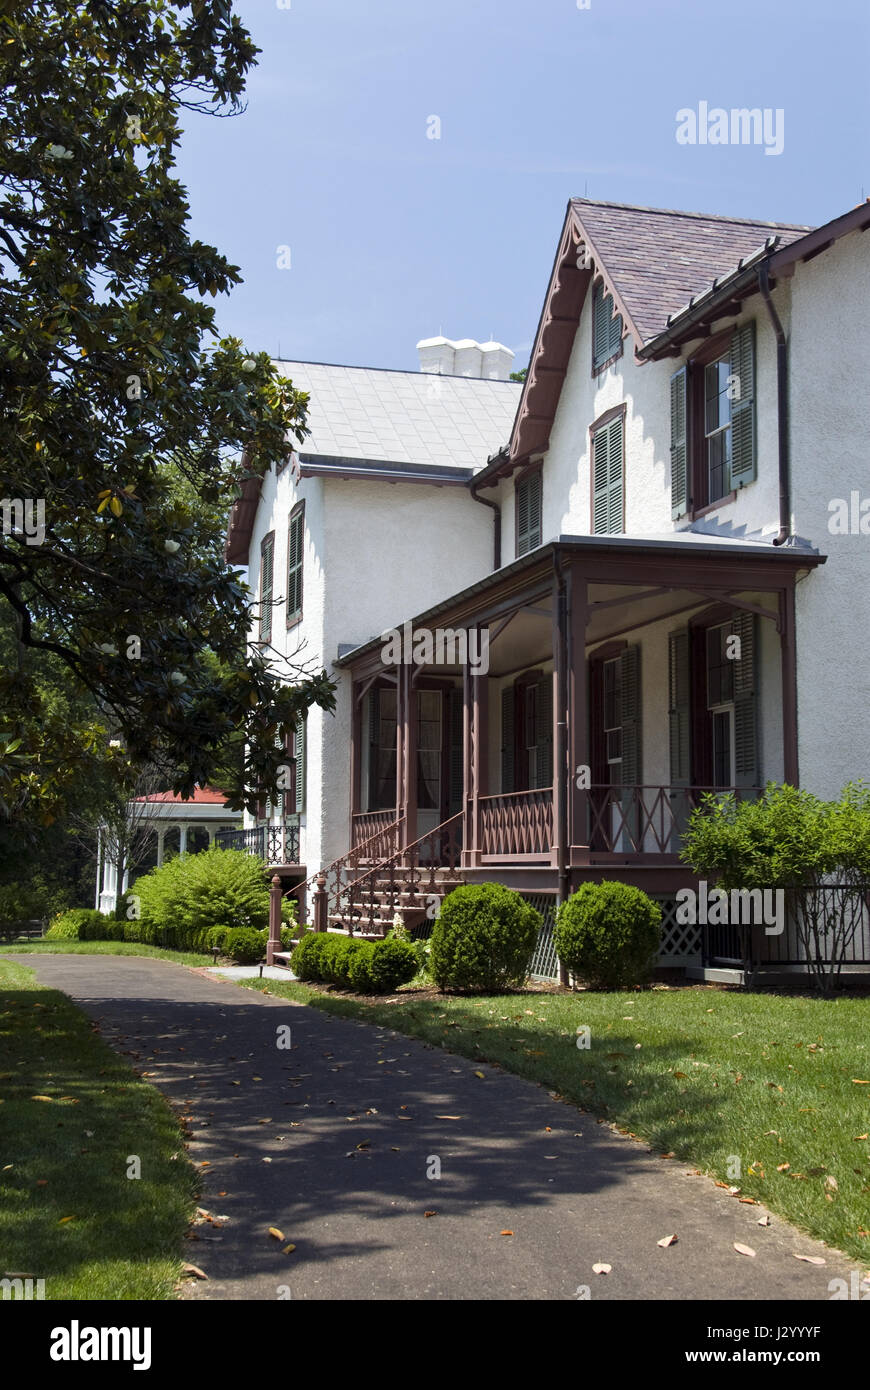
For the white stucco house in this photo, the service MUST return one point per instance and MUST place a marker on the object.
(658, 542)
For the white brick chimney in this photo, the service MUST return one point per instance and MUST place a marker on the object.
(466, 357)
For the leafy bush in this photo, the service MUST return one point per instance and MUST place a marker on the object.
(31, 901)
(359, 968)
(187, 896)
(215, 937)
(608, 933)
(133, 931)
(113, 930)
(337, 957)
(62, 929)
(244, 945)
(817, 852)
(483, 939)
(79, 924)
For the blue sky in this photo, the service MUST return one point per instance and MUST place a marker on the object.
(394, 236)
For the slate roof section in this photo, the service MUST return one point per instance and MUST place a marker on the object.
(403, 417)
(658, 258)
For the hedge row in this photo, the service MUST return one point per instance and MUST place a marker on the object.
(367, 967)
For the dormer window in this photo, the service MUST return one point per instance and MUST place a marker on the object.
(606, 329)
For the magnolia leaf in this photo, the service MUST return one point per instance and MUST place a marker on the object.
(744, 1249)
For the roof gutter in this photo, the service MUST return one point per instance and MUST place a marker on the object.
(701, 308)
(782, 407)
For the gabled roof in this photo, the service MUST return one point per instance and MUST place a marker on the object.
(402, 417)
(652, 261)
(658, 258)
(387, 426)
(202, 796)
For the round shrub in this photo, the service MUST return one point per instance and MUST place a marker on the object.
(336, 958)
(305, 961)
(483, 939)
(243, 945)
(359, 970)
(113, 930)
(392, 963)
(608, 933)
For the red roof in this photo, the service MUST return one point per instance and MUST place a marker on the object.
(202, 796)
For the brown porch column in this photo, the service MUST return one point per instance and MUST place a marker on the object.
(274, 942)
(578, 712)
(480, 753)
(468, 807)
(356, 712)
(788, 659)
(410, 721)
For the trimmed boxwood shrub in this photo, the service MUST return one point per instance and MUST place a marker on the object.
(368, 967)
(392, 963)
(305, 961)
(62, 929)
(244, 945)
(483, 939)
(608, 933)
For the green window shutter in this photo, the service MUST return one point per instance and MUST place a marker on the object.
(267, 559)
(508, 706)
(746, 772)
(679, 444)
(743, 464)
(606, 327)
(295, 550)
(679, 708)
(299, 750)
(607, 479)
(528, 495)
(455, 750)
(544, 733)
(631, 716)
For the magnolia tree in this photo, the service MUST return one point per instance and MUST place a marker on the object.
(123, 414)
(817, 852)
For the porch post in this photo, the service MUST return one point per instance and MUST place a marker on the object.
(182, 840)
(161, 836)
(274, 941)
(579, 769)
(469, 819)
(356, 709)
(400, 754)
(99, 866)
(788, 657)
(411, 733)
(480, 753)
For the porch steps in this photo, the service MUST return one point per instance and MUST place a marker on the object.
(390, 895)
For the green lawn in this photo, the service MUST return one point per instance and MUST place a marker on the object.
(707, 1075)
(105, 948)
(71, 1114)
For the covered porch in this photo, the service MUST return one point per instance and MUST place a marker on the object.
(561, 719)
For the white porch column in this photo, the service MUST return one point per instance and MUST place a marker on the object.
(99, 867)
(211, 835)
(182, 839)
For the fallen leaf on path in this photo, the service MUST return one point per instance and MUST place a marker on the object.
(430, 1213)
(506, 1233)
(855, 1082)
(811, 1259)
(195, 1271)
(288, 1249)
(275, 1233)
(858, 1137)
(448, 1117)
(744, 1249)
(477, 1073)
(48, 1098)
(763, 1221)
(667, 1240)
(601, 1269)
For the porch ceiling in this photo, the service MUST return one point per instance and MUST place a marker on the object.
(625, 607)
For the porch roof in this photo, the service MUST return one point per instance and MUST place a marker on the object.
(683, 544)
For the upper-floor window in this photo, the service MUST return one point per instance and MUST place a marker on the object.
(528, 500)
(295, 551)
(606, 329)
(713, 451)
(607, 447)
(267, 569)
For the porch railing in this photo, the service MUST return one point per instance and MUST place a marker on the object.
(336, 876)
(516, 825)
(375, 830)
(412, 878)
(646, 819)
(276, 844)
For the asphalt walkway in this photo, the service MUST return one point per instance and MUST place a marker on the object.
(335, 1141)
